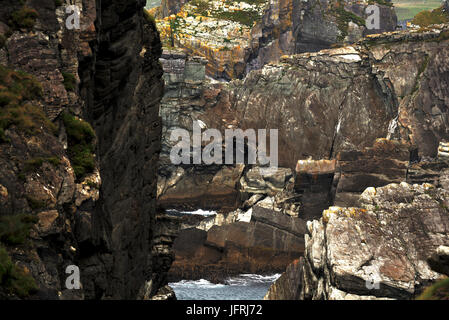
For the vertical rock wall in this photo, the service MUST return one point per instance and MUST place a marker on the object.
(106, 222)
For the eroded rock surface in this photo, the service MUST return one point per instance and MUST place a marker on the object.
(237, 36)
(323, 103)
(380, 249)
(261, 240)
(105, 73)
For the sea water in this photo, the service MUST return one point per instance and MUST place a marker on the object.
(242, 287)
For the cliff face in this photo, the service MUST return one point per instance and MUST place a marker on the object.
(107, 73)
(393, 238)
(386, 86)
(330, 107)
(237, 37)
(261, 239)
(291, 26)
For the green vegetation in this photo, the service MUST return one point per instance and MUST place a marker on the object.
(427, 18)
(245, 17)
(13, 279)
(438, 291)
(36, 204)
(69, 81)
(203, 6)
(36, 163)
(58, 3)
(81, 137)
(407, 9)
(343, 19)
(14, 229)
(24, 18)
(251, 2)
(443, 36)
(17, 90)
(93, 184)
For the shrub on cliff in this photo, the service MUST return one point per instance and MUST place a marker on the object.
(24, 18)
(427, 18)
(14, 229)
(69, 81)
(17, 91)
(81, 137)
(438, 291)
(343, 18)
(13, 279)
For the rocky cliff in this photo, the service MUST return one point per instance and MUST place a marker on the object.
(322, 104)
(237, 36)
(261, 237)
(383, 249)
(79, 156)
(356, 116)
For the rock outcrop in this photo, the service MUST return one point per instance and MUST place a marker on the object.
(237, 36)
(324, 103)
(382, 249)
(384, 163)
(106, 73)
(261, 240)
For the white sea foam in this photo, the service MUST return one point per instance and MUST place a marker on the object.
(200, 212)
(202, 283)
(247, 279)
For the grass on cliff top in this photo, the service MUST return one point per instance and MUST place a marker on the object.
(17, 91)
(81, 148)
(407, 9)
(438, 291)
(427, 18)
(245, 17)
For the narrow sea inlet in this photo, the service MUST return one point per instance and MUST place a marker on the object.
(242, 287)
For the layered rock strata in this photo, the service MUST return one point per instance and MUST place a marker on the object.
(261, 240)
(384, 163)
(326, 102)
(237, 36)
(106, 72)
(380, 265)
